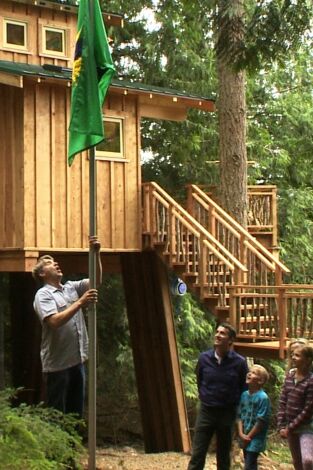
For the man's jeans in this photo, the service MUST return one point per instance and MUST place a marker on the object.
(212, 420)
(66, 389)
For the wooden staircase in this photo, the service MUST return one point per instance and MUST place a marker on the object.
(236, 277)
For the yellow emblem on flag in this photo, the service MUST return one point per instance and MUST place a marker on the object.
(77, 57)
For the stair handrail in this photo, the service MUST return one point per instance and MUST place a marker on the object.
(220, 251)
(251, 242)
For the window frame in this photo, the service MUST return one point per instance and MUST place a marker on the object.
(10, 46)
(107, 154)
(54, 25)
(48, 52)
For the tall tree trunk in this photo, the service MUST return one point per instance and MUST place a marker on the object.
(231, 111)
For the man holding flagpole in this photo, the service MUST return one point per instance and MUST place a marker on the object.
(92, 74)
(64, 342)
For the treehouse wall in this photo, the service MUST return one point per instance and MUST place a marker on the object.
(35, 18)
(11, 166)
(44, 203)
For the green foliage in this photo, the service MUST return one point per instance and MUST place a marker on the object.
(278, 450)
(273, 30)
(296, 209)
(37, 438)
(194, 329)
(115, 371)
(255, 34)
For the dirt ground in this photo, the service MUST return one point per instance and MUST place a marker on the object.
(134, 458)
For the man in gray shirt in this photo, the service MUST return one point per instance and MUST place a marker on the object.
(64, 342)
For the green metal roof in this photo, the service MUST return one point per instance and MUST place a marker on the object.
(71, 6)
(62, 73)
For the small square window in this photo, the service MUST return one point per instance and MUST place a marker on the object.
(15, 34)
(54, 41)
(112, 146)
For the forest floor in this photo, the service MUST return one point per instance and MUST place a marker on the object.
(134, 458)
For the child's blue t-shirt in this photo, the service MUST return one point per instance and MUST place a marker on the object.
(253, 407)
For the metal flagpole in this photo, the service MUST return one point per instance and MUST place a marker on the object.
(92, 312)
(92, 318)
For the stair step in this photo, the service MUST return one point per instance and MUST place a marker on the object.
(213, 284)
(253, 307)
(256, 318)
(179, 267)
(159, 247)
(190, 277)
(254, 335)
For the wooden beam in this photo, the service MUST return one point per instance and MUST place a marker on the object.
(162, 112)
(261, 350)
(71, 262)
(160, 390)
(11, 80)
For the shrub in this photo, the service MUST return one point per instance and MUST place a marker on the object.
(34, 437)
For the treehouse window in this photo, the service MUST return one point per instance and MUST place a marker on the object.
(53, 41)
(15, 34)
(113, 145)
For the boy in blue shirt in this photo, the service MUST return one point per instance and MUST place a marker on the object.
(253, 416)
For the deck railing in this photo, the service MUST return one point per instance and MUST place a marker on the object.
(263, 267)
(262, 210)
(186, 242)
(274, 313)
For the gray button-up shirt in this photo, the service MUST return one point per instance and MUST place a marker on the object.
(67, 345)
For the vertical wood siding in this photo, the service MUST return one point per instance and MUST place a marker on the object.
(57, 197)
(11, 167)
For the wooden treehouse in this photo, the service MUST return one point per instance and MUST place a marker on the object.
(144, 232)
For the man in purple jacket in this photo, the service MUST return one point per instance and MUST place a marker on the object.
(221, 377)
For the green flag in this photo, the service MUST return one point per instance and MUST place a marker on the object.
(92, 74)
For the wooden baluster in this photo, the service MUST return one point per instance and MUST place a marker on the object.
(219, 278)
(153, 215)
(310, 330)
(303, 317)
(203, 260)
(157, 228)
(162, 222)
(282, 317)
(171, 234)
(209, 271)
(212, 221)
(296, 318)
(146, 209)
(257, 312)
(274, 216)
(268, 308)
(225, 271)
(178, 240)
(195, 254)
(233, 316)
(245, 315)
(274, 310)
(183, 242)
(290, 319)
